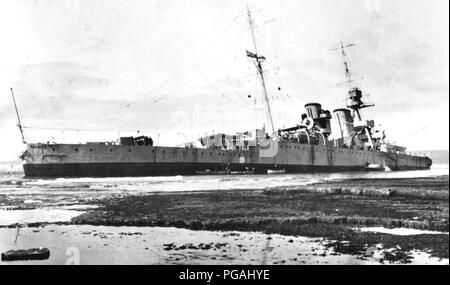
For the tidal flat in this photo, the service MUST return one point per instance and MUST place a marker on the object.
(348, 221)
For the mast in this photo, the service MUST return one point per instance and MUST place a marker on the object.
(354, 94)
(19, 124)
(348, 75)
(258, 64)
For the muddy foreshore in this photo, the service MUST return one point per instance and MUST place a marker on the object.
(331, 210)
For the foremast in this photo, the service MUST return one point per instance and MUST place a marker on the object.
(19, 124)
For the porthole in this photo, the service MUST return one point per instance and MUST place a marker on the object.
(53, 149)
(76, 149)
(90, 149)
(110, 150)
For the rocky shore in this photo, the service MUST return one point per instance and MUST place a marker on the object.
(353, 220)
(334, 211)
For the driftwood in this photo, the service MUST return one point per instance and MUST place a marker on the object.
(27, 254)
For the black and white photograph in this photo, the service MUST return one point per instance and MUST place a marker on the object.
(224, 132)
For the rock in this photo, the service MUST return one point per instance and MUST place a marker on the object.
(351, 191)
(392, 192)
(377, 192)
(334, 190)
(274, 191)
(342, 220)
(321, 190)
(28, 254)
(285, 190)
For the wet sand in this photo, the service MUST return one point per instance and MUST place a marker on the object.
(167, 245)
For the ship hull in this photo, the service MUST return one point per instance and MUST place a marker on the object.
(161, 169)
(61, 160)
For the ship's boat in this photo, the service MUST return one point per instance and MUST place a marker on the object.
(375, 167)
(309, 146)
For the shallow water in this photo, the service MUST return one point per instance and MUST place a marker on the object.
(156, 245)
(399, 231)
(8, 217)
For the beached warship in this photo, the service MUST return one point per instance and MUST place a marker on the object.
(305, 147)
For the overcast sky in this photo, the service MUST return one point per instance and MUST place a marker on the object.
(179, 68)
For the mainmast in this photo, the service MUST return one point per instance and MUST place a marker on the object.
(348, 75)
(354, 94)
(19, 124)
(258, 60)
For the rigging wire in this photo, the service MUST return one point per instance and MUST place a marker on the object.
(232, 85)
(81, 129)
(194, 64)
(184, 84)
(198, 59)
(220, 92)
(200, 73)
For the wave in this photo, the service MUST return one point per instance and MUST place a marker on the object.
(94, 180)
